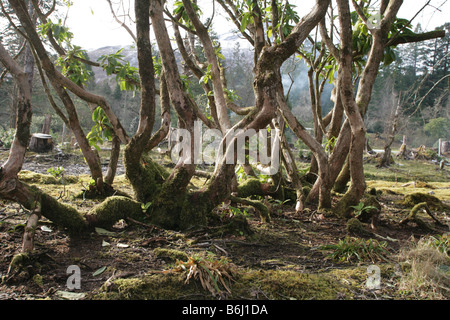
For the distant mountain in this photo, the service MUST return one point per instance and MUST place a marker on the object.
(227, 40)
(129, 53)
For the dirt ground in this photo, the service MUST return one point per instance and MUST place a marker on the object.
(131, 250)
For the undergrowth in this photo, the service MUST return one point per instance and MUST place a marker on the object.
(352, 249)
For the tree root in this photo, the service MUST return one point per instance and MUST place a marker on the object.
(262, 210)
(112, 210)
(412, 217)
(254, 187)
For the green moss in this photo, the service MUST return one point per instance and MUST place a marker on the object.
(355, 227)
(153, 287)
(412, 216)
(368, 214)
(175, 209)
(146, 176)
(170, 254)
(412, 199)
(19, 261)
(112, 210)
(253, 187)
(344, 208)
(278, 284)
(260, 207)
(39, 178)
(196, 210)
(62, 214)
(275, 284)
(37, 279)
(250, 187)
(237, 226)
(306, 190)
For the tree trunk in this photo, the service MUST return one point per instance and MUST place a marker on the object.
(291, 167)
(59, 82)
(356, 121)
(219, 93)
(340, 185)
(46, 124)
(113, 160)
(386, 160)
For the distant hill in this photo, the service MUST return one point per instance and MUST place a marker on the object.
(129, 53)
(227, 40)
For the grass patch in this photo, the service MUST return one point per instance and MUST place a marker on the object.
(440, 190)
(407, 170)
(352, 249)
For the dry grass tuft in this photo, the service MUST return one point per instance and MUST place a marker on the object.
(427, 264)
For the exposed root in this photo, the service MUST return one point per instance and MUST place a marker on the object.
(262, 210)
(412, 217)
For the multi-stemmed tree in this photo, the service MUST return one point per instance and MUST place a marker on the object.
(351, 50)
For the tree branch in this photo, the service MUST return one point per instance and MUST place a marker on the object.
(416, 37)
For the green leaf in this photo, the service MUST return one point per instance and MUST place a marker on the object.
(95, 114)
(244, 21)
(70, 295)
(104, 232)
(99, 271)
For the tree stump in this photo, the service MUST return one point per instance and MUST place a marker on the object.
(41, 143)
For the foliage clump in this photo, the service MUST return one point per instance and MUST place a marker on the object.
(352, 249)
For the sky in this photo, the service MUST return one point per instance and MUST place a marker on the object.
(93, 26)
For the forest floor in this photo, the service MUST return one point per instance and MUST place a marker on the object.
(295, 256)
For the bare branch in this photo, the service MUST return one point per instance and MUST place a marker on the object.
(122, 24)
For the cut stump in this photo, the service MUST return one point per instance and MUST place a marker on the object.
(41, 143)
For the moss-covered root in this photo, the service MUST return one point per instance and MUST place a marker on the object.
(62, 214)
(262, 210)
(416, 198)
(344, 208)
(146, 176)
(180, 211)
(254, 187)
(412, 217)
(112, 210)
